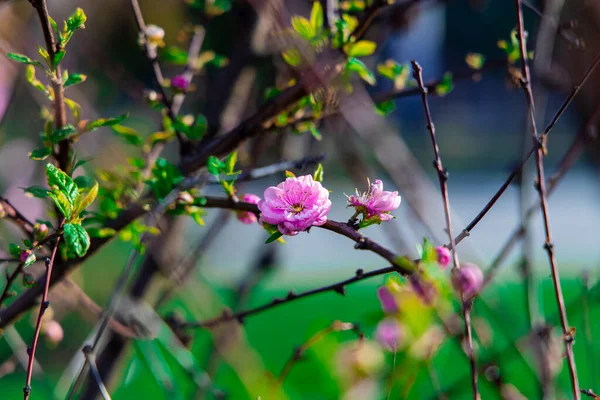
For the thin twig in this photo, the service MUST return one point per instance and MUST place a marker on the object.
(443, 180)
(158, 75)
(38, 326)
(90, 359)
(543, 202)
(16, 216)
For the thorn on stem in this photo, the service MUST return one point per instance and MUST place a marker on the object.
(340, 289)
(360, 272)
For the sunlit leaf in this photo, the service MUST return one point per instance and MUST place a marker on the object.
(77, 239)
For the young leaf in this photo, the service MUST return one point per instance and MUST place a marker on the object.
(76, 20)
(385, 108)
(289, 174)
(101, 232)
(62, 203)
(106, 122)
(75, 109)
(291, 57)
(29, 260)
(58, 56)
(36, 191)
(74, 79)
(445, 86)
(318, 175)
(23, 59)
(274, 237)
(174, 55)
(84, 182)
(129, 134)
(475, 60)
(77, 239)
(14, 250)
(33, 81)
(58, 180)
(230, 162)
(359, 67)
(62, 133)
(85, 199)
(215, 166)
(199, 128)
(316, 17)
(40, 154)
(303, 27)
(361, 48)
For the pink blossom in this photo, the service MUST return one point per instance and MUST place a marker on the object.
(387, 300)
(389, 334)
(247, 217)
(295, 205)
(24, 255)
(443, 256)
(375, 202)
(467, 280)
(53, 331)
(179, 83)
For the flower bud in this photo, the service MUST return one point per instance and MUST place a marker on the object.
(467, 280)
(2, 211)
(179, 83)
(185, 198)
(443, 256)
(359, 359)
(28, 280)
(53, 331)
(40, 232)
(27, 257)
(151, 96)
(387, 300)
(155, 34)
(246, 217)
(389, 334)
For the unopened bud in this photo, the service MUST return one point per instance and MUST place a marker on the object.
(53, 331)
(443, 256)
(467, 280)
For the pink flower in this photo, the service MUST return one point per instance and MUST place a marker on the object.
(247, 217)
(468, 280)
(375, 202)
(295, 205)
(179, 83)
(443, 256)
(389, 334)
(387, 300)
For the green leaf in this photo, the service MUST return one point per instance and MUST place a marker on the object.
(85, 199)
(315, 132)
(33, 81)
(62, 133)
(174, 55)
(230, 162)
(289, 174)
(23, 59)
(303, 27)
(36, 191)
(199, 128)
(355, 65)
(77, 239)
(78, 164)
(75, 109)
(29, 260)
(44, 53)
(58, 56)
(215, 166)
(292, 57)
(14, 250)
(385, 108)
(62, 203)
(318, 175)
(74, 79)
(40, 154)
(274, 237)
(129, 134)
(84, 182)
(316, 17)
(76, 20)
(58, 180)
(361, 48)
(157, 137)
(445, 86)
(428, 253)
(101, 232)
(106, 122)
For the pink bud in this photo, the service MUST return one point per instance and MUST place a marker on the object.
(389, 334)
(443, 256)
(179, 83)
(387, 300)
(41, 231)
(185, 198)
(24, 255)
(247, 217)
(467, 280)
(53, 331)
(2, 211)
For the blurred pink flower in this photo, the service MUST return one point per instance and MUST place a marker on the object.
(375, 202)
(443, 256)
(179, 83)
(389, 334)
(53, 331)
(246, 217)
(25, 254)
(387, 299)
(468, 279)
(295, 205)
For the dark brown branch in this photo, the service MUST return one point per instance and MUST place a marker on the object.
(443, 180)
(543, 202)
(14, 215)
